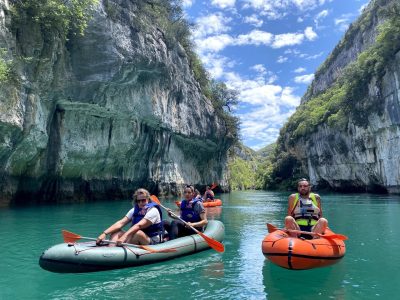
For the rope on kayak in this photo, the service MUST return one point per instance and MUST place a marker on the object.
(137, 254)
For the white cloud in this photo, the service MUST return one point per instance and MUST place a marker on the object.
(255, 37)
(187, 3)
(214, 43)
(306, 79)
(300, 70)
(287, 39)
(274, 9)
(281, 59)
(308, 4)
(259, 68)
(362, 8)
(321, 15)
(253, 20)
(267, 106)
(223, 3)
(211, 24)
(343, 22)
(310, 34)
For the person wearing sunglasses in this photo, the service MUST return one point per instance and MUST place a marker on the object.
(146, 223)
(304, 210)
(192, 211)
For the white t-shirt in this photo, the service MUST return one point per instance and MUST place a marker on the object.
(153, 215)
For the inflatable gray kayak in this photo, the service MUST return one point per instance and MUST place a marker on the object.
(87, 257)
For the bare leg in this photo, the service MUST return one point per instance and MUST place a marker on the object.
(139, 238)
(321, 226)
(115, 236)
(290, 223)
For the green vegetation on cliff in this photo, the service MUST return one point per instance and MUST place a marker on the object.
(65, 17)
(247, 168)
(4, 67)
(347, 99)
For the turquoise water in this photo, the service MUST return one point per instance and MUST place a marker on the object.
(368, 271)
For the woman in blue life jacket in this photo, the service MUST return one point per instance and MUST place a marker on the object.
(191, 211)
(146, 220)
(208, 195)
(304, 210)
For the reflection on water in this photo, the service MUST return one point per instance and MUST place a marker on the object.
(368, 271)
(281, 283)
(214, 213)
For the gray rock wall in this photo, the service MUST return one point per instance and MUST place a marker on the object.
(103, 114)
(359, 158)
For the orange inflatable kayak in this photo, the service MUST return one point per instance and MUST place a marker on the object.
(216, 202)
(301, 254)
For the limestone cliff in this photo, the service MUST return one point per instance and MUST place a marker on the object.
(97, 116)
(354, 146)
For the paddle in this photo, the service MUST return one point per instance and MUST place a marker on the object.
(217, 246)
(70, 237)
(272, 228)
(214, 185)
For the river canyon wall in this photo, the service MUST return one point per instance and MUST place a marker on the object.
(363, 155)
(97, 116)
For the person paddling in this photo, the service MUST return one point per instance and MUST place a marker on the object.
(192, 212)
(208, 195)
(304, 210)
(146, 218)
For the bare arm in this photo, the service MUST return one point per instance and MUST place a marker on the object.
(203, 221)
(142, 224)
(113, 228)
(319, 204)
(291, 199)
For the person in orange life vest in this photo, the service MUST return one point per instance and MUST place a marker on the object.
(304, 210)
(208, 195)
(146, 220)
(192, 211)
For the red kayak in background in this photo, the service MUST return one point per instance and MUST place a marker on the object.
(216, 202)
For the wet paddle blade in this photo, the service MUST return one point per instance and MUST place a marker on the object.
(214, 185)
(337, 236)
(271, 228)
(217, 246)
(155, 199)
(70, 237)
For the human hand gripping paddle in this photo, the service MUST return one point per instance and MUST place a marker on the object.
(70, 237)
(272, 228)
(217, 246)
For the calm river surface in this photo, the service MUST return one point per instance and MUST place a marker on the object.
(370, 269)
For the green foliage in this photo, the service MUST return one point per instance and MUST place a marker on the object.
(169, 18)
(242, 175)
(348, 97)
(59, 16)
(4, 67)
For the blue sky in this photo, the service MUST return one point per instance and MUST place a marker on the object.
(268, 50)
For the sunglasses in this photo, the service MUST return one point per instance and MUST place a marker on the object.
(141, 200)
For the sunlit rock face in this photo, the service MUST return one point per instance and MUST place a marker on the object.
(361, 158)
(101, 115)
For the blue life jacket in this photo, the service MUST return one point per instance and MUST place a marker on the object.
(187, 212)
(154, 229)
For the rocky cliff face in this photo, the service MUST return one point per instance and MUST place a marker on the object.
(103, 114)
(360, 158)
